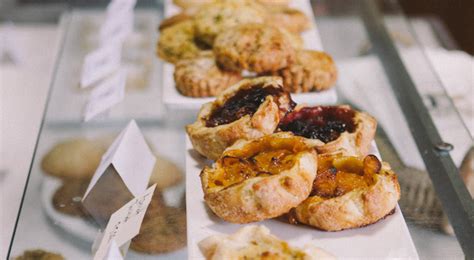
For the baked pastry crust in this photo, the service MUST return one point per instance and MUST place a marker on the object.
(356, 208)
(191, 3)
(201, 77)
(38, 254)
(270, 189)
(256, 242)
(173, 20)
(289, 18)
(255, 47)
(355, 143)
(312, 71)
(212, 141)
(176, 42)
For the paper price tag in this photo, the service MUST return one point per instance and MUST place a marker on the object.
(124, 224)
(116, 27)
(100, 63)
(118, 6)
(109, 93)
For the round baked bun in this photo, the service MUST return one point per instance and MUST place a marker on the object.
(332, 128)
(247, 110)
(349, 192)
(260, 179)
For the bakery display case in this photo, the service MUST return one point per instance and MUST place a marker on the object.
(382, 69)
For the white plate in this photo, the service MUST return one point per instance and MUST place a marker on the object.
(174, 100)
(388, 238)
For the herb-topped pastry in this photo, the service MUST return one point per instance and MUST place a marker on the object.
(247, 110)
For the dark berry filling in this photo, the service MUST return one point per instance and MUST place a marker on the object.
(325, 123)
(244, 102)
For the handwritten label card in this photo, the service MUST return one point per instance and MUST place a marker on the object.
(124, 224)
(100, 63)
(114, 252)
(117, 27)
(106, 95)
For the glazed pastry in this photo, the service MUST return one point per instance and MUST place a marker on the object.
(213, 19)
(67, 198)
(162, 231)
(249, 109)
(177, 42)
(39, 254)
(165, 174)
(255, 47)
(256, 242)
(349, 192)
(312, 71)
(73, 159)
(260, 179)
(289, 18)
(201, 77)
(332, 128)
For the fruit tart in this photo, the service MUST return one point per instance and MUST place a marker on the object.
(247, 110)
(332, 128)
(349, 192)
(260, 179)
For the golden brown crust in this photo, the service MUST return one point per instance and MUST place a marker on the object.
(173, 20)
(201, 77)
(357, 208)
(261, 197)
(312, 71)
(254, 47)
(177, 42)
(289, 18)
(39, 254)
(212, 141)
(274, 2)
(191, 3)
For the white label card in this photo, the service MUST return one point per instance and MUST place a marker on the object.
(118, 6)
(100, 63)
(113, 253)
(132, 158)
(106, 95)
(124, 224)
(116, 27)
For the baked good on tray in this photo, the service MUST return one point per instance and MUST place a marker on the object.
(165, 174)
(289, 18)
(67, 198)
(311, 71)
(256, 242)
(349, 192)
(255, 47)
(260, 179)
(201, 77)
(176, 42)
(38, 254)
(249, 109)
(332, 128)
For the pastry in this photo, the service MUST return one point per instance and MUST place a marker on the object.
(165, 173)
(68, 198)
(255, 47)
(201, 77)
(213, 19)
(74, 158)
(332, 128)
(260, 179)
(256, 242)
(312, 71)
(191, 3)
(294, 39)
(176, 42)
(274, 2)
(249, 109)
(173, 20)
(349, 192)
(162, 231)
(289, 18)
(38, 254)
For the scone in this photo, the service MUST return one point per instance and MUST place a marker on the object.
(201, 77)
(256, 242)
(73, 159)
(162, 231)
(260, 179)
(38, 254)
(312, 71)
(68, 198)
(349, 192)
(249, 109)
(213, 19)
(332, 128)
(289, 18)
(176, 42)
(295, 39)
(165, 174)
(255, 47)
(174, 19)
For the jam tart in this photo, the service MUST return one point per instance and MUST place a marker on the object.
(260, 179)
(332, 128)
(247, 110)
(349, 192)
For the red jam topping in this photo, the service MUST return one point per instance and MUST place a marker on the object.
(325, 123)
(244, 102)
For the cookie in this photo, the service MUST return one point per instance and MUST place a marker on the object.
(75, 158)
(312, 71)
(173, 20)
(162, 231)
(39, 254)
(177, 42)
(67, 198)
(201, 77)
(215, 18)
(254, 47)
(165, 173)
(295, 39)
(289, 18)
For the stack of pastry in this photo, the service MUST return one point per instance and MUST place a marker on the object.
(214, 43)
(274, 157)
